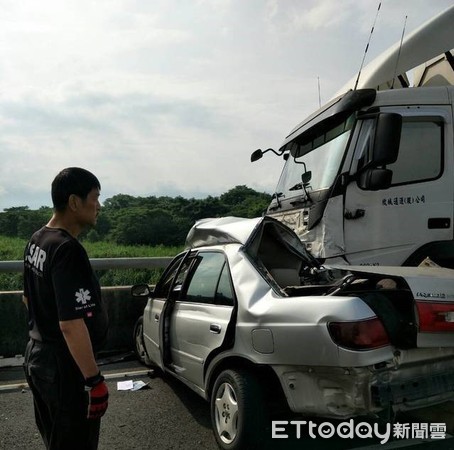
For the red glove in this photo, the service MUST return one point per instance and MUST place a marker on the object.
(98, 396)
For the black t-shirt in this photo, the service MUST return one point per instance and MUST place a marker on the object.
(60, 285)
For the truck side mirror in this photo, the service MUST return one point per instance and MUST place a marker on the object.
(386, 140)
(259, 153)
(374, 179)
(306, 177)
(256, 155)
(384, 150)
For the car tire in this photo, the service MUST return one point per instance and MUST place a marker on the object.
(238, 410)
(139, 346)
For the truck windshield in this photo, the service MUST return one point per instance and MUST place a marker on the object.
(321, 156)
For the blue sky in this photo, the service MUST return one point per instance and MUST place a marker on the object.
(170, 97)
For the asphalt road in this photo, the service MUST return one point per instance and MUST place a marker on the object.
(162, 416)
(165, 415)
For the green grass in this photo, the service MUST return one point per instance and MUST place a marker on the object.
(12, 249)
(127, 277)
(108, 250)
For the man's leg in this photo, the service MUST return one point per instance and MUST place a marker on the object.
(60, 399)
(42, 414)
(72, 429)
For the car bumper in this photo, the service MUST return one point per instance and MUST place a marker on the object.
(348, 392)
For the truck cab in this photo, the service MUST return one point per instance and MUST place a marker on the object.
(368, 179)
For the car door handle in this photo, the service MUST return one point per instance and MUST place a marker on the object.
(156, 317)
(215, 328)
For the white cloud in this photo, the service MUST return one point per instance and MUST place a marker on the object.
(323, 14)
(171, 97)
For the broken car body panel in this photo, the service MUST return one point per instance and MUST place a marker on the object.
(340, 342)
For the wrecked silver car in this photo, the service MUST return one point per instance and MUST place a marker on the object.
(246, 316)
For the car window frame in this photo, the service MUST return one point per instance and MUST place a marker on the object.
(172, 270)
(189, 277)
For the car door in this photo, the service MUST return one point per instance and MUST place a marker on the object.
(152, 327)
(199, 318)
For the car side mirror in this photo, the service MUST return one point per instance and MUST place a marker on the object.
(141, 290)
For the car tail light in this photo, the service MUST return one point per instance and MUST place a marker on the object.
(435, 317)
(359, 335)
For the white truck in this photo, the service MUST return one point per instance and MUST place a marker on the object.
(368, 179)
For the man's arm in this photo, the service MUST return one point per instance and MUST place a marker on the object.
(78, 340)
(25, 301)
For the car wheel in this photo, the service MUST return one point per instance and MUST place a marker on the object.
(139, 346)
(237, 410)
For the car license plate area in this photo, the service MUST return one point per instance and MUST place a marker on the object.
(399, 392)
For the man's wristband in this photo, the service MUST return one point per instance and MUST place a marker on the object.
(94, 381)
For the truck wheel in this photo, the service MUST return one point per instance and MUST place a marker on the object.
(238, 410)
(139, 346)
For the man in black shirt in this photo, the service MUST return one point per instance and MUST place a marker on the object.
(67, 319)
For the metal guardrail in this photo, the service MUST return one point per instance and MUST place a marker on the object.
(103, 263)
(123, 311)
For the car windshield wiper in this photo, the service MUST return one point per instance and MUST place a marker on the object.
(299, 186)
(296, 187)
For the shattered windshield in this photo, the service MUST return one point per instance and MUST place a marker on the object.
(320, 156)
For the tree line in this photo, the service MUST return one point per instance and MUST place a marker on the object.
(129, 220)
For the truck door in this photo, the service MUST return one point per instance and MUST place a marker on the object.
(385, 227)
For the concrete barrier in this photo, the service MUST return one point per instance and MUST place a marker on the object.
(123, 309)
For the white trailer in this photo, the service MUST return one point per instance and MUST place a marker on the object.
(369, 178)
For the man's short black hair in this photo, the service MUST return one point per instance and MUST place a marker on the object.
(72, 180)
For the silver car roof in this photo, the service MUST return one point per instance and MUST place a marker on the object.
(254, 235)
(220, 231)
